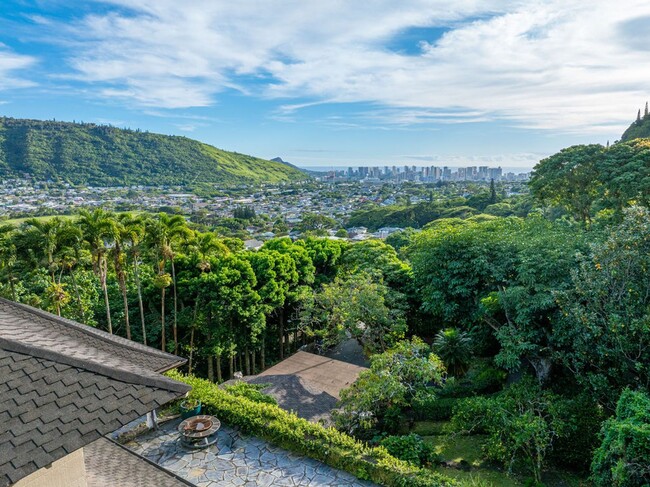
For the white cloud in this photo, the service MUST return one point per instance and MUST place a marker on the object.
(10, 63)
(565, 65)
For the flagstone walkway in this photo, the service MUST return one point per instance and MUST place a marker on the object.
(237, 460)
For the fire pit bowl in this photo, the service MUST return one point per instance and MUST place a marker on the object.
(199, 431)
(198, 425)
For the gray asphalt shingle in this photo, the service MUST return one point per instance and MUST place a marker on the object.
(110, 465)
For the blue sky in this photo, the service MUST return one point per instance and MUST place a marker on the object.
(337, 82)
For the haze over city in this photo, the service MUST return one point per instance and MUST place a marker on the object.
(333, 84)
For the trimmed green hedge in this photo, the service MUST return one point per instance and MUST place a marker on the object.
(298, 435)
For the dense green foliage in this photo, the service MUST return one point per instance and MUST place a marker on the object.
(522, 424)
(586, 179)
(393, 381)
(446, 200)
(311, 439)
(409, 448)
(603, 333)
(623, 458)
(107, 156)
(252, 392)
(499, 277)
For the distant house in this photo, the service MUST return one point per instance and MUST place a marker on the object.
(386, 231)
(63, 387)
(253, 244)
(354, 231)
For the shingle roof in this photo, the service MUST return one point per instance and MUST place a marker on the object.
(31, 326)
(111, 465)
(307, 384)
(58, 395)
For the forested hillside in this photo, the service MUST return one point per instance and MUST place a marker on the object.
(101, 155)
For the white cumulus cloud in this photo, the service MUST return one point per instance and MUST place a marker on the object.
(11, 64)
(568, 65)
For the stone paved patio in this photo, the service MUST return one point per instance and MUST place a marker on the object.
(237, 460)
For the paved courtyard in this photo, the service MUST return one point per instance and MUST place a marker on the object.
(237, 459)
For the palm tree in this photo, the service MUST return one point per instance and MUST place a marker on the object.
(46, 242)
(40, 240)
(99, 229)
(133, 232)
(206, 245)
(454, 347)
(70, 256)
(166, 232)
(119, 264)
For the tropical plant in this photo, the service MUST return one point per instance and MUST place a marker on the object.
(454, 347)
(623, 458)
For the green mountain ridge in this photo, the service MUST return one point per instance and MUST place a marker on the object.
(101, 155)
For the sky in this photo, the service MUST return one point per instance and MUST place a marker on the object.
(336, 83)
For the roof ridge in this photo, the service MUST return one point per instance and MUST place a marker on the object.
(150, 379)
(98, 334)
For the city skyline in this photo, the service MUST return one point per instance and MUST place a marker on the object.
(330, 84)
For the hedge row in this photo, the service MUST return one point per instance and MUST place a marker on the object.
(298, 435)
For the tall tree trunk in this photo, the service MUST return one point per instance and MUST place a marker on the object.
(141, 306)
(263, 353)
(78, 296)
(219, 376)
(175, 308)
(103, 272)
(125, 299)
(189, 366)
(12, 285)
(210, 368)
(231, 364)
(247, 362)
(281, 333)
(196, 310)
(162, 320)
(295, 336)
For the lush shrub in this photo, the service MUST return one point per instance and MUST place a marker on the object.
(251, 392)
(298, 435)
(428, 407)
(482, 378)
(373, 402)
(409, 448)
(522, 424)
(575, 450)
(623, 458)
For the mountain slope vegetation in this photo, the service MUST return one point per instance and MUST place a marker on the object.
(102, 155)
